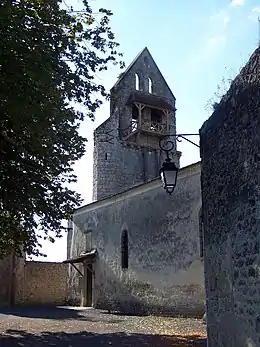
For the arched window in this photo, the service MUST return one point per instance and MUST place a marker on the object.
(150, 85)
(124, 249)
(137, 82)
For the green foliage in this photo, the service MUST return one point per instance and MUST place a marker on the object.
(48, 60)
(120, 75)
(222, 89)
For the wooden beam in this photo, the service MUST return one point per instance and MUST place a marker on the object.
(152, 106)
(167, 114)
(140, 107)
(81, 274)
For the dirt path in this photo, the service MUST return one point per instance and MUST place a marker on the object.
(70, 327)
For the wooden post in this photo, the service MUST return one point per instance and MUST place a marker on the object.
(87, 285)
(140, 108)
(167, 114)
(82, 285)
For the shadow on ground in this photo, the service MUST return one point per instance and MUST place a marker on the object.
(14, 338)
(125, 314)
(55, 312)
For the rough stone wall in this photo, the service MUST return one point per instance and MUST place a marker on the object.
(32, 282)
(165, 271)
(104, 158)
(11, 279)
(230, 152)
(118, 164)
(145, 67)
(5, 280)
(122, 165)
(19, 281)
(45, 283)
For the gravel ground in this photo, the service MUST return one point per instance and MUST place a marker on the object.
(74, 327)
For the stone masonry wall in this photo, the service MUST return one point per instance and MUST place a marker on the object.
(117, 164)
(45, 283)
(122, 165)
(11, 279)
(32, 282)
(230, 152)
(145, 67)
(5, 280)
(165, 271)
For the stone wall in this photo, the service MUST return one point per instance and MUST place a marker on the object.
(165, 271)
(32, 282)
(118, 164)
(45, 283)
(5, 280)
(230, 152)
(11, 279)
(121, 165)
(145, 67)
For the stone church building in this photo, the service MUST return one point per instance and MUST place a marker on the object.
(135, 248)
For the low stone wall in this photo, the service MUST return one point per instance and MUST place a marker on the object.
(45, 283)
(5, 280)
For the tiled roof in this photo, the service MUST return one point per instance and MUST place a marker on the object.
(149, 99)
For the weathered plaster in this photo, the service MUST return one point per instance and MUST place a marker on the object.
(165, 271)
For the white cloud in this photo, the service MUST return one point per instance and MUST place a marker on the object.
(237, 2)
(256, 9)
(221, 18)
(255, 13)
(226, 20)
(214, 43)
(203, 58)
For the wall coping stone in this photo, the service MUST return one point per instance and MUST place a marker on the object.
(184, 172)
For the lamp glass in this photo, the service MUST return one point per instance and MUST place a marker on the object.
(169, 173)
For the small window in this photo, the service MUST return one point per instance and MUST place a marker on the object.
(137, 82)
(124, 249)
(150, 85)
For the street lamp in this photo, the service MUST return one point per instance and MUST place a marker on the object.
(168, 173)
(169, 170)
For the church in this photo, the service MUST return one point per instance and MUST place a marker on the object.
(135, 248)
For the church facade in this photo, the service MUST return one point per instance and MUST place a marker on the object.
(135, 248)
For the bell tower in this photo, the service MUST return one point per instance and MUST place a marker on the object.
(126, 145)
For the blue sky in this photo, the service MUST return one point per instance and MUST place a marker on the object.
(198, 46)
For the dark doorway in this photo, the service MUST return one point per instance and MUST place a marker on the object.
(89, 287)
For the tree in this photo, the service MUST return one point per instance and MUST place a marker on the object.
(48, 59)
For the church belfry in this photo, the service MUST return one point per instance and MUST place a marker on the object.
(126, 145)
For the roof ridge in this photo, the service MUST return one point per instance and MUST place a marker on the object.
(131, 65)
